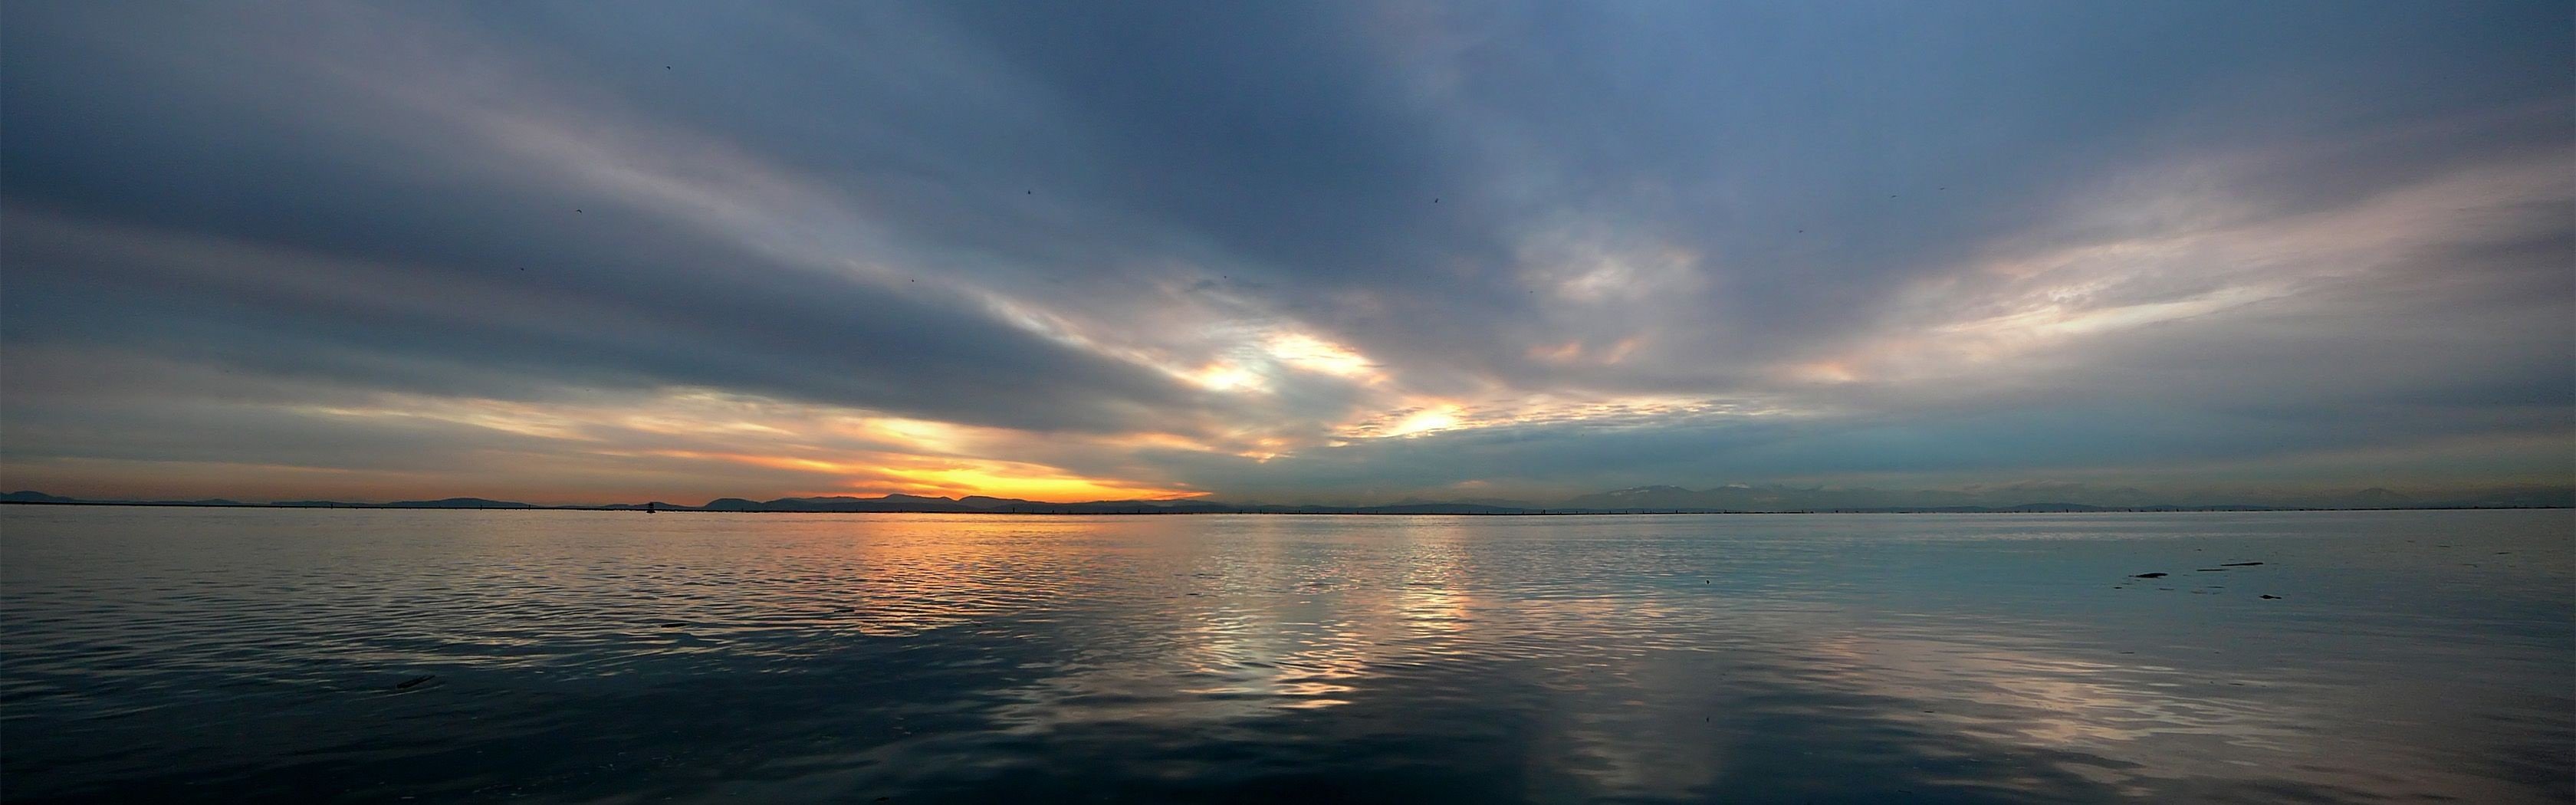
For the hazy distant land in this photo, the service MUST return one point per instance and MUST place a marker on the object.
(1640, 500)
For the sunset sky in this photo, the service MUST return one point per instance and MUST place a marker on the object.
(1290, 252)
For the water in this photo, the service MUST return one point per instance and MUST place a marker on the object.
(215, 654)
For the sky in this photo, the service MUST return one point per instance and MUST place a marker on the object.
(1284, 252)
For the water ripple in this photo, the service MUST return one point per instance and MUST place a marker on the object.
(598, 657)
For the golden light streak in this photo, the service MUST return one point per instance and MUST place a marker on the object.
(1228, 377)
(1424, 415)
(1426, 421)
(917, 434)
(522, 419)
(951, 477)
(1317, 355)
(986, 479)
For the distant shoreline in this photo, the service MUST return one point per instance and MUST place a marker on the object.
(1361, 511)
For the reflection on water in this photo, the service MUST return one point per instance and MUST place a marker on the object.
(611, 657)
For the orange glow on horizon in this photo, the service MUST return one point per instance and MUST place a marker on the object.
(957, 477)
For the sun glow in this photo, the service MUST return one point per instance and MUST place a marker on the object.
(1014, 480)
(950, 477)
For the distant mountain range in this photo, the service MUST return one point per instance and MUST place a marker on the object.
(1734, 498)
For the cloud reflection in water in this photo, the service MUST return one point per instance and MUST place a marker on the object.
(617, 657)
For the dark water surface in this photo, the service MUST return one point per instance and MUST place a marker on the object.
(215, 654)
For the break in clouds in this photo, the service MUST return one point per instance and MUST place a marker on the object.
(1288, 252)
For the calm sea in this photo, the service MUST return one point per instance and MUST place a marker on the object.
(381, 656)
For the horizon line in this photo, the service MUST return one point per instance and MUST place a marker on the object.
(1064, 509)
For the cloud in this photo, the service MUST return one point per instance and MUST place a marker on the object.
(1365, 249)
